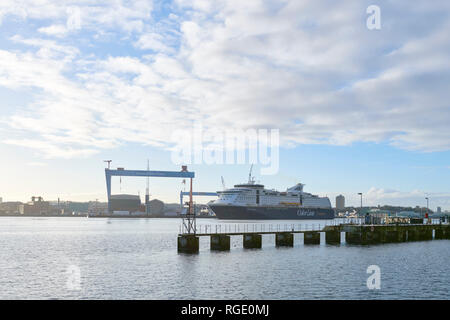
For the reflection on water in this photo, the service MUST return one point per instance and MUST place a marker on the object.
(80, 258)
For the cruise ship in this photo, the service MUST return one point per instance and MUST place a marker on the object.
(252, 201)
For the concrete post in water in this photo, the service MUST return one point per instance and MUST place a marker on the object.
(333, 237)
(311, 237)
(252, 241)
(284, 239)
(220, 242)
(188, 244)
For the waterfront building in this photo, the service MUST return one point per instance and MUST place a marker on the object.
(96, 207)
(10, 207)
(37, 206)
(340, 203)
(156, 207)
(410, 214)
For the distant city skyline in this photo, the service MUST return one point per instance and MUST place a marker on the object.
(46, 182)
(357, 109)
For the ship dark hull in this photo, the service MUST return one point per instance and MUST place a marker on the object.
(270, 213)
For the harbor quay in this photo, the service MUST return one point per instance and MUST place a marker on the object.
(284, 237)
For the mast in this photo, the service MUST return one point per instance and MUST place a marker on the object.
(147, 192)
(148, 179)
(250, 175)
(223, 183)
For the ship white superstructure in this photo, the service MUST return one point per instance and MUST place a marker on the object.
(252, 194)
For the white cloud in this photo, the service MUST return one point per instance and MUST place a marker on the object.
(58, 30)
(311, 69)
(153, 41)
(74, 18)
(51, 150)
(375, 196)
(120, 14)
(37, 164)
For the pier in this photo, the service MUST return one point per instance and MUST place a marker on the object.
(354, 234)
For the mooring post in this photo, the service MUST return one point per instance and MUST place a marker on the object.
(252, 241)
(220, 242)
(333, 237)
(311, 237)
(284, 239)
(188, 244)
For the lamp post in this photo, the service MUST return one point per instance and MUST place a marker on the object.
(360, 211)
(426, 213)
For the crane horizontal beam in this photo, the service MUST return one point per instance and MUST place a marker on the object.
(149, 173)
(186, 193)
(141, 173)
(199, 193)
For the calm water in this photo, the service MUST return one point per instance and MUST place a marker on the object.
(137, 259)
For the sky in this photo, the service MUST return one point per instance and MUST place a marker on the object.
(357, 109)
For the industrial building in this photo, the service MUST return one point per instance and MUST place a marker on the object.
(10, 207)
(340, 203)
(95, 207)
(125, 202)
(156, 207)
(37, 206)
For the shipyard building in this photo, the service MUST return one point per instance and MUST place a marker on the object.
(125, 202)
